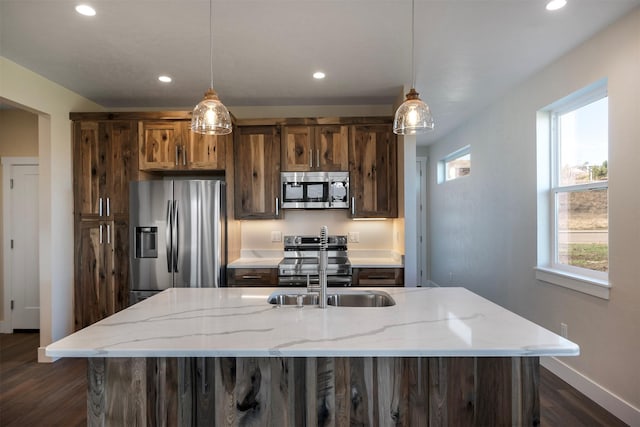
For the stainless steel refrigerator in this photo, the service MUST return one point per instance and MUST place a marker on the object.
(177, 235)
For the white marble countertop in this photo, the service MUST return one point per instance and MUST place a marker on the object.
(380, 262)
(255, 262)
(239, 322)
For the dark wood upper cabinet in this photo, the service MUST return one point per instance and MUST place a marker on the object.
(159, 144)
(257, 172)
(170, 145)
(206, 152)
(103, 154)
(373, 172)
(315, 148)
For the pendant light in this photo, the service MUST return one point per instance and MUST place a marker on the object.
(210, 116)
(413, 116)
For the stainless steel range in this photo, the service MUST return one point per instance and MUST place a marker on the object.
(300, 262)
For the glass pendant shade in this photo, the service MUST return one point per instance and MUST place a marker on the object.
(413, 116)
(211, 117)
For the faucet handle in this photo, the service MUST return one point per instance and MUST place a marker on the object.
(324, 242)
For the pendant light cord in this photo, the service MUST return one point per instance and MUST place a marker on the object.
(413, 65)
(211, 41)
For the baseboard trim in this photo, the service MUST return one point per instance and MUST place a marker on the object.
(43, 358)
(594, 391)
(5, 328)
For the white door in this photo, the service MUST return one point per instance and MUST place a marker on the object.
(23, 235)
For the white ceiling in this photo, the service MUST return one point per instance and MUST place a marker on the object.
(468, 52)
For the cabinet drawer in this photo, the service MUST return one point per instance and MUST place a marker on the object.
(252, 277)
(378, 277)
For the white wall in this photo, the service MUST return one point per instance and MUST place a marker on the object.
(377, 235)
(483, 227)
(52, 103)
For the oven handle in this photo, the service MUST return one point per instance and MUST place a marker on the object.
(302, 280)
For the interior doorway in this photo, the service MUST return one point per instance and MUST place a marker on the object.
(21, 243)
(421, 221)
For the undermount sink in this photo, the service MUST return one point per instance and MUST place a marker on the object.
(341, 299)
(361, 299)
(294, 299)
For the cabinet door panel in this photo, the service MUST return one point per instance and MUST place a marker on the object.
(257, 172)
(118, 138)
(332, 147)
(119, 251)
(206, 152)
(373, 171)
(93, 270)
(298, 155)
(89, 168)
(160, 143)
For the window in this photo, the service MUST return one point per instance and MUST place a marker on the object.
(577, 219)
(455, 165)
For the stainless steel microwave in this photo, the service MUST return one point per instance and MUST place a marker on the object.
(314, 190)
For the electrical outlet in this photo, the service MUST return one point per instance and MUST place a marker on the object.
(276, 236)
(564, 330)
(354, 237)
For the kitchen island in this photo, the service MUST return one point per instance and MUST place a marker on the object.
(439, 356)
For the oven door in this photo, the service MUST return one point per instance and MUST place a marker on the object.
(301, 281)
(306, 190)
(305, 195)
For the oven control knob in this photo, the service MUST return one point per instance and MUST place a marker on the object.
(298, 240)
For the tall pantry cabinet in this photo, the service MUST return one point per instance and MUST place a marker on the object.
(104, 161)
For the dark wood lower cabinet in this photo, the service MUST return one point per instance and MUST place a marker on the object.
(101, 285)
(323, 391)
(258, 277)
(378, 277)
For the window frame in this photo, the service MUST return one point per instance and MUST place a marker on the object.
(548, 270)
(442, 164)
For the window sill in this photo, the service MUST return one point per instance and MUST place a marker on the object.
(586, 285)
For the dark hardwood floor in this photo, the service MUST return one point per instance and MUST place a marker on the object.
(54, 394)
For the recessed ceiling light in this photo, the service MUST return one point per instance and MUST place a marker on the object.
(556, 4)
(318, 75)
(86, 10)
(165, 79)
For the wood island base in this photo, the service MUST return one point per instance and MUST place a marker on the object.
(322, 391)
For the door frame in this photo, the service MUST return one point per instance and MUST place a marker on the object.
(421, 186)
(6, 325)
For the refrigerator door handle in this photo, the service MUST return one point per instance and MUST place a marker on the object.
(168, 235)
(176, 236)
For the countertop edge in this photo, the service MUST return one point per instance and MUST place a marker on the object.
(307, 353)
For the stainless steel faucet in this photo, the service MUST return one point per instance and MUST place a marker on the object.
(321, 287)
(322, 265)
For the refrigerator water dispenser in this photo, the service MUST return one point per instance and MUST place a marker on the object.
(146, 242)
